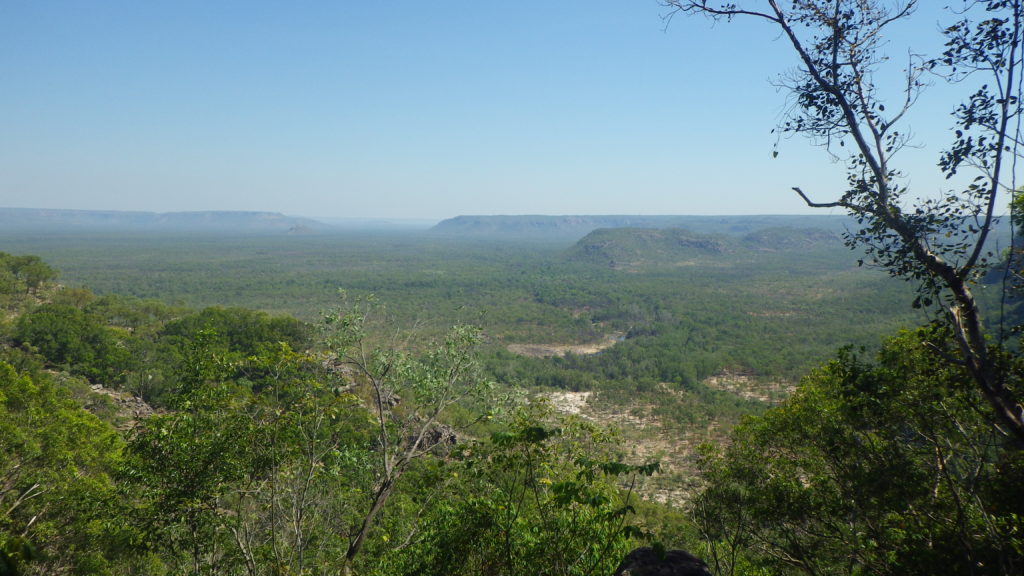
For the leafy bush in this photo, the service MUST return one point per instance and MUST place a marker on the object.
(870, 468)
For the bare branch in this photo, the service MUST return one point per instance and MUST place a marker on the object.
(837, 204)
(701, 7)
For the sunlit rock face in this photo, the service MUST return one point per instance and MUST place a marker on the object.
(646, 561)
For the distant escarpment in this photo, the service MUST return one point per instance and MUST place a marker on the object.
(787, 238)
(627, 248)
(636, 248)
(572, 228)
(115, 220)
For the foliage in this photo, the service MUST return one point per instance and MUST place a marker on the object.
(272, 458)
(76, 340)
(775, 313)
(271, 463)
(55, 461)
(885, 468)
(239, 330)
(536, 499)
(181, 464)
(23, 274)
(249, 475)
(22, 281)
(312, 446)
(141, 318)
(409, 398)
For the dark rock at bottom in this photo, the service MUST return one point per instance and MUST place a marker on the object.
(647, 561)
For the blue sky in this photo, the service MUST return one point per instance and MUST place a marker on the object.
(406, 109)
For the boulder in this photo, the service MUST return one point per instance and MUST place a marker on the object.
(647, 561)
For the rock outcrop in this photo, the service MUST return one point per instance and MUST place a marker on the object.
(647, 561)
(130, 408)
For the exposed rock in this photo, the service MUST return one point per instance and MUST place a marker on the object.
(647, 561)
(746, 386)
(569, 402)
(440, 435)
(130, 408)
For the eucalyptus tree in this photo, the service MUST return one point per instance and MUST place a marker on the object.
(943, 244)
(546, 495)
(410, 396)
(182, 464)
(25, 273)
(305, 448)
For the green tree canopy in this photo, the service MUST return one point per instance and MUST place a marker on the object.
(890, 467)
(67, 336)
(241, 330)
(23, 274)
(55, 465)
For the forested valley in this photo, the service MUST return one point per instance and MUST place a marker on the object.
(249, 393)
(408, 403)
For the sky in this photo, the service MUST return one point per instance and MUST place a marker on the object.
(412, 109)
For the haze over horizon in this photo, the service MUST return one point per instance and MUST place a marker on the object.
(420, 221)
(413, 111)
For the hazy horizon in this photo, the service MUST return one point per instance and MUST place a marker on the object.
(418, 111)
(421, 219)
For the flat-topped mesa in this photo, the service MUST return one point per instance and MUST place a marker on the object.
(574, 227)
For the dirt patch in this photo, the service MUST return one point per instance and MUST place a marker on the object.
(549, 350)
(569, 402)
(645, 437)
(747, 387)
(773, 314)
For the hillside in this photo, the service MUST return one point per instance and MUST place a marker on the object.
(634, 248)
(629, 248)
